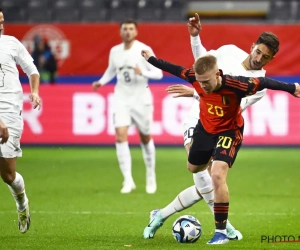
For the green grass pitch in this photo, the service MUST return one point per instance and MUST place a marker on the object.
(76, 203)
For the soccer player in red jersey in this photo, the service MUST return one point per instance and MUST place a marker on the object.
(219, 132)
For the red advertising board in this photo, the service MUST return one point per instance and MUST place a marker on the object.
(83, 49)
(74, 114)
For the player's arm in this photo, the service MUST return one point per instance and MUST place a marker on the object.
(194, 28)
(179, 71)
(151, 72)
(181, 90)
(249, 85)
(108, 75)
(25, 61)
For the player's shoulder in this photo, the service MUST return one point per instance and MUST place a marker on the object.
(117, 47)
(10, 42)
(141, 45)
(231, 48)
(7, 38)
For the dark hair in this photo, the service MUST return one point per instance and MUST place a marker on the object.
(1, 10)
(129, 21)
(270, 40)
(204, 64)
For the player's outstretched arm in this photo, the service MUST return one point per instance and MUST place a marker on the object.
(269, 83)
(180, 90)
(194, 28)
(250, 85)
(176, 70)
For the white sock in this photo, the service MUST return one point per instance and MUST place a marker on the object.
(17, 188)
(124, 158)
(204, 185)
(185, 199)
(149, 157)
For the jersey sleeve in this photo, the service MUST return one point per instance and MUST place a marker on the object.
(110, 72)
(245, 86)
(197, 48)
(24, 59)
(176, 70)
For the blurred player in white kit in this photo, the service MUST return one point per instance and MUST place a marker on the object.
(12, 52)
(132, 102)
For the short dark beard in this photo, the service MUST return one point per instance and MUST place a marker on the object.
(251, 68)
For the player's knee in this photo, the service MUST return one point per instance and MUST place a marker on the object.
(8, 177)
(218, 179)
(145, 139)
(195, 168)
(120, 137)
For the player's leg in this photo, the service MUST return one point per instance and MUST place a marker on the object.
(185, 199)
(16, 185)
(122, 120)
(226, 149)
(9, 152)
(142, 116)
(148, 150)
(190, 195)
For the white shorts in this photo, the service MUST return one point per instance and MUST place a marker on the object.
(141, 116)
(11, 148)
(188, 128)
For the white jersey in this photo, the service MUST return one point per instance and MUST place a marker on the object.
(230, 58)
(130, 87)
(12, 52)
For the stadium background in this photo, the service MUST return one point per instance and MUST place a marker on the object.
(81, 41)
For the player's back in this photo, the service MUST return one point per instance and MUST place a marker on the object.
(130, 86)
(230, 58)
(11, 94)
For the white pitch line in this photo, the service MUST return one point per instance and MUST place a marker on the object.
(146, 213)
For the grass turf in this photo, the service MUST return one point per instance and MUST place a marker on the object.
(76, 203)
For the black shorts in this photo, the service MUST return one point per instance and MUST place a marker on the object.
(223, 146)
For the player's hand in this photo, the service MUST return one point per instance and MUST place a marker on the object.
(36, 100)
(96, 85)
(180, 90)
(194, 25)
(147, 54)
(3, 133)
(137, 71)
(297, 90)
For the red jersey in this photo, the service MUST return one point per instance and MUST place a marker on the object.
(220, 110)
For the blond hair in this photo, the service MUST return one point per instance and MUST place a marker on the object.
(204, 64)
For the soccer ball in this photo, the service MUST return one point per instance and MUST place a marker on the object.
(187, 229)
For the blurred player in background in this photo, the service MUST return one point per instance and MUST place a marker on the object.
(133, 102)
(12, 52)
(234, 61)
(219, 131)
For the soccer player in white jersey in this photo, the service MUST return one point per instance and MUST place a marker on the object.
(12, 52)
(132, 102)
(232, 60)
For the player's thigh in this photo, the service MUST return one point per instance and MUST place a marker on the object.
(12, 147)
(202, 146)
(188, 127)
(10, 150)
(142, 117)
(121, 116)
(227, 146)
